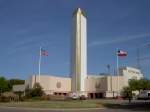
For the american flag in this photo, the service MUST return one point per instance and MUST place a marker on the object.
(44, 52)
(121, 53)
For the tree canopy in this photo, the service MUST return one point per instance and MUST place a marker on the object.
(136, 85)
(12, 82)
(3, 85)
(6, 85)
(36, 91)
(142, 84)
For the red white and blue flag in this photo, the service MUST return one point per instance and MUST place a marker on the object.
(121, 53)
(44, 52)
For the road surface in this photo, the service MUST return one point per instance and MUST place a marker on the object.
(14, 109)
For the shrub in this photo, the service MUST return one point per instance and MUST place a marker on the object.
(57, 97)
(27, 92)
(36, 91)
(20, 95)
(126, 92)
(46, 97)
(9, 96)
(82, 97)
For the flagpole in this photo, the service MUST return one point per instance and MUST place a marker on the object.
(117, 74)
(40, 64)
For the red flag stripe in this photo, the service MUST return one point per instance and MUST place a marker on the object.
(44, 52)
(121, 53)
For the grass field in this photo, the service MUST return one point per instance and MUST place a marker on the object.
(56, 104)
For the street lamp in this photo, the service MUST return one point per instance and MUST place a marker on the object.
(108, 67)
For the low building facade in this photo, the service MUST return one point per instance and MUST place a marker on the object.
(50, 84)
(130, 73)
(96, 86)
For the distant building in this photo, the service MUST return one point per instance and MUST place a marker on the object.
(130, 73)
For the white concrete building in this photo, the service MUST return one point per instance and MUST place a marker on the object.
(130, 73)
(96, 86)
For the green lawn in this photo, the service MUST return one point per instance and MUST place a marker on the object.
(56, 104)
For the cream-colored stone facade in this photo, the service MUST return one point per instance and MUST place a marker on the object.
(107, 85)
(95, 86)
(51, 84)
(130, 73)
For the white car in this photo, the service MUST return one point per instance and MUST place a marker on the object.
(75, 97)
(145, 94)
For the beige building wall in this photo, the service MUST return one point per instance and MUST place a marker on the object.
(109, 86)
(94, 84)
(18, 88)
(130, 73)
(114, 85)
(51, 84)
(30, 82)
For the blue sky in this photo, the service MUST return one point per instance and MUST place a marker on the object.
(25, 25)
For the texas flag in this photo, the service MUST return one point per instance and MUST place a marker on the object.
(44, 52)
(121, 53)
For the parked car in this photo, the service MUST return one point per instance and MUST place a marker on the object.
(145, 94)
(76, 96)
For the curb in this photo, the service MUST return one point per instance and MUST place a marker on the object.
(53, 109)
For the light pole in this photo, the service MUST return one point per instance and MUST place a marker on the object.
(108, 67)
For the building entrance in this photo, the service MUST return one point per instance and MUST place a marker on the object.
(95, 95)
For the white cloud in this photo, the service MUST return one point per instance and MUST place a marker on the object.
(117, 40)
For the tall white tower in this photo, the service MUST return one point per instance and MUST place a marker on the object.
(79, 51)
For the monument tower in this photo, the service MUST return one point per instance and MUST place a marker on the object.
(78, 51)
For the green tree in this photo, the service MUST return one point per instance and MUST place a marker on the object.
(142, 84)
(12, 82)
(28, 92)
(3, 85)
(127, 92)
(37, 90)
(134, 84)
